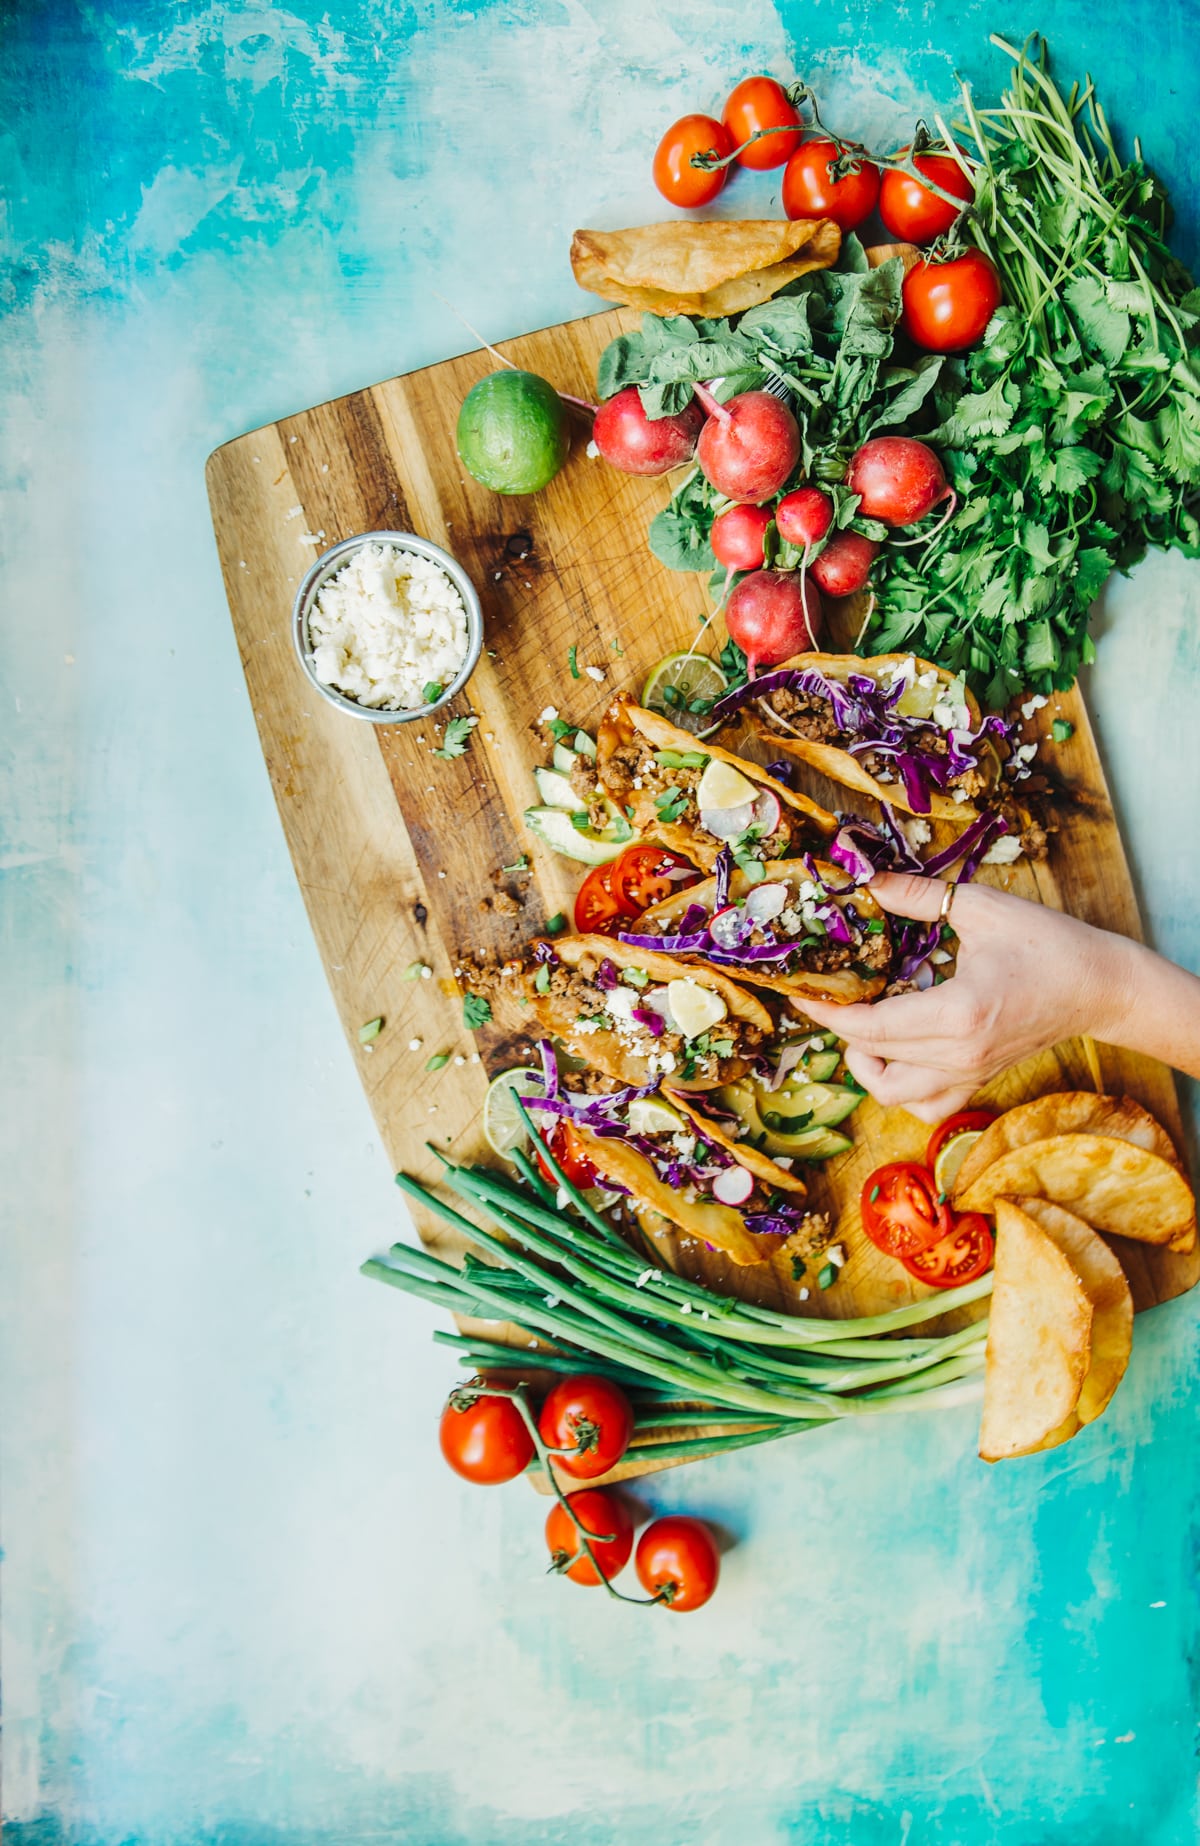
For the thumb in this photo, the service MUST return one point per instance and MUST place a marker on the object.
(905, 894)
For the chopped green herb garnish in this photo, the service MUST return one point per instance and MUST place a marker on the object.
(520, 865)
(581, 821)
(573, 662)
(371, 1031)
(476, 1011)
(672, 696)
(458, 736)
(635, 977)
(616, 646)
(559, 728)
(556, 924)
(798, 1269)
(431, 692)
(671, 804)
(875, 926)
(414, 971)
(700, 706)
(874, 1195)
(680, 759)
(721, 1047)
(827, 1277)
(628, 811)
(437, 1061)
(541, 979)
(1062, 730)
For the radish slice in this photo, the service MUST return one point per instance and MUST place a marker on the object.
(767, 813)
(727, 823)
(765, 902)
(657, 1000)
(733, 1186)
(730, 927)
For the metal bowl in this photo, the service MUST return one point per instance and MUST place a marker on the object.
(328, 565)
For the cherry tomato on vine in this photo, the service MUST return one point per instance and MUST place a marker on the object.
(567, 1146)
(962, 1256)
(757, 103)
(598, 910)
(911, 211)
(948, 305)
(900, 1210)
(677, 1559)
(600, 1513)
(486, 1441)
(676, 178)
(810, 192)
(645, 875)
(593, 1419)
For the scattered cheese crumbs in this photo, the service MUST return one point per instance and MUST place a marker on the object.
(804, 1294)
(647, 1275)
(552, 1301)
(836, 1254)
(1004, 850)
(596, 673)
(686, 1308)
(459, 1061)
(474, 1057)
(385, 625)
(426, 972)
(293, 438)
(243, 564)
(490, 736)
(1032, 705)
(293, 512)
(441, 874)
(324, 467)
(311, 538)
(561, 1199)
(414, 1044)
(918, 832)
(549, 715)
(592, 452)
(496, 576)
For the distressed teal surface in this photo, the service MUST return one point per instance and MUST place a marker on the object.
(243, 1601)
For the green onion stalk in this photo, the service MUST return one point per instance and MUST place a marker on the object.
(687, 1357)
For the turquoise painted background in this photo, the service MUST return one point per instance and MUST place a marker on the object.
(243, 1602)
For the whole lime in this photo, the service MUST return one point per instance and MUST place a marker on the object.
(512, 432)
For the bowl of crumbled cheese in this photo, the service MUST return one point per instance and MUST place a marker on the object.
(387, 626)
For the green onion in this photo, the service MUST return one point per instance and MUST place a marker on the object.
(371, 1031)
(438, 1061)
(1062, 730)
(573, 662)
(556, 924)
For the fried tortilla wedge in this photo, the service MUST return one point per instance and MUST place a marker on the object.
(572, 963)
(842, 985)
(1039, 1339)
(1113, 1185)
(628, 730)
(707, 267)
(1065, 1112)
(1106, 1288)
(833, 756)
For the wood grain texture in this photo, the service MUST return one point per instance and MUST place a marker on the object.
(400, 856)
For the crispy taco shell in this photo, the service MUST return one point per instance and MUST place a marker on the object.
(720, 1225)
(1111, 1184)
(761, 1165)
(623, 721)
(1106, 1288)
(843, 986)
(838, 764)
(707, 267)
(604, 1051)
(1039, 1339)
(1065, 1112)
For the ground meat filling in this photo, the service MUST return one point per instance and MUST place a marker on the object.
(871, 951)
(809, 716)
(634, 770)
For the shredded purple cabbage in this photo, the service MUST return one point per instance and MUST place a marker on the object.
(544, 951)
(606, 976)
(723, 868)
(669, 945)
(654, 1022)
(783, 772)
(778, 1223)
(549, 1068)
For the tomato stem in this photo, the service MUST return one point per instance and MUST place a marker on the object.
(709, 161)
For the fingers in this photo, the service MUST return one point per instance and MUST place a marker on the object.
(914, 1026)
(906, 894)
(926, 1092)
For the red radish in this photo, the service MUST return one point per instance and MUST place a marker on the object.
(737, 536)
(843, 566)
(733, 1186)
(897, 480)
(727, 927)
(804, 517)
(638, 444)
(771, 617)
(749, 446)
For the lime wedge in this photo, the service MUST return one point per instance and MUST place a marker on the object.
(650, 1116)
(950, 1158)
(503, 1124)
(677, 682)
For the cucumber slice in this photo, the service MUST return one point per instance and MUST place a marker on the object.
(564, 759)
(554, 827)
(585, 745)
(820, 1065)
(813, 1105)
(556, 791)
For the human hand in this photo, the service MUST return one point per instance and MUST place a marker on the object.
(1026, 978)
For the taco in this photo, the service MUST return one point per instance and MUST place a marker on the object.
(695, 797)
(800, 930)
(894, 727)
(650, 1144)
(634, 1016)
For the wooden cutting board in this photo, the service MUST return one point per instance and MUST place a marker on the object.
(400, 856)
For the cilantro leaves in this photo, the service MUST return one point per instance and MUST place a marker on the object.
(456, 739)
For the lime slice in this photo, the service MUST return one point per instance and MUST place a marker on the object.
(950, 1158)
(677, 681)
(649, 1116)
(503, 1124)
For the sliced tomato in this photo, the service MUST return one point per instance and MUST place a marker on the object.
(598, 911)
(566, 1144)
(965, 1122)
(645, 875)
(962, 1256)
(900, 1210)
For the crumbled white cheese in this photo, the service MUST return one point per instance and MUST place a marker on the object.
(917, 832)
(1004, 850)
(591, 451)
(596, 673)
(1032, 705)
(1025, 753)
(960, 794)
(293, 512)
(414, 1044)
(836, 1254)
(549, 715)
(385, 625)
(804, 1294)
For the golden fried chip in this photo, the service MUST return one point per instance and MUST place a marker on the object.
(1066, 1112)
(1106, 1288)
(708, 267)
(1039, 1339)
(1114, 1185)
